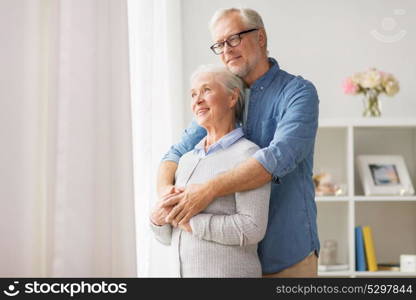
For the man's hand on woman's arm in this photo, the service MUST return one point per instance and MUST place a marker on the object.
(159, 214)
(196, 197)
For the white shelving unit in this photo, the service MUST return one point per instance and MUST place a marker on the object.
(392, 218)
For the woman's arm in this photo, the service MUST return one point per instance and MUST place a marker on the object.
(161, 229)
(247, 226)
(162, 233)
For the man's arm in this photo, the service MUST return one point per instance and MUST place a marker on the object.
(294, 138)
(250, 174)
(247, 226)
(166, 173)
(166, 177)
(292, 142)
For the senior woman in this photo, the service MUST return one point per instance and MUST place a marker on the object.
(222, 240)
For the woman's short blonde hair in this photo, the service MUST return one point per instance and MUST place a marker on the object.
(229, 81)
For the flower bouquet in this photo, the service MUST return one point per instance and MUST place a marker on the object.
(371, 83)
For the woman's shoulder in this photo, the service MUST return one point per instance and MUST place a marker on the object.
(244, 146)
(190, 155)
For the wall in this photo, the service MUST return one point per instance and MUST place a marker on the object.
(324, 41)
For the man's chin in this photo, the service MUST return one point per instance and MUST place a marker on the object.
(238, 70)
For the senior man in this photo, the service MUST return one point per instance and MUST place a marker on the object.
(281, 116)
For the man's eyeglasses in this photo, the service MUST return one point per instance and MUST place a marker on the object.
(232, 41)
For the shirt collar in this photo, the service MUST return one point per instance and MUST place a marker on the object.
(264, 81)
(224, 142)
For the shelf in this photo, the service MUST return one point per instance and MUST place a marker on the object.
(365, 198)
(391, 217)
(384, 274)
(336, 274)
(366, 274)
(384, 198)
(367, 122)
(332, 198)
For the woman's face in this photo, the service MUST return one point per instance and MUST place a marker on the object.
(211, 103)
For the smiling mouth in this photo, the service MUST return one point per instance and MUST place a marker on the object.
(233, 59)
(202, 111)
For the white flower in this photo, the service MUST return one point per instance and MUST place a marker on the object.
(371, 79)
(356, 78)
(392, 87)
(390, 84)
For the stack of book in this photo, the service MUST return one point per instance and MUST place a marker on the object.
(365, 253)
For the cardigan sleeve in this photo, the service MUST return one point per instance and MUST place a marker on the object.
(247, 226)
(162, 233)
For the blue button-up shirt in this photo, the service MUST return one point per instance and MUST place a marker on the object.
(223, 143)
(282, 119)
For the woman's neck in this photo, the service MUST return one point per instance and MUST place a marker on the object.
(215, 133)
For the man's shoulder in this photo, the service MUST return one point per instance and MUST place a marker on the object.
(289, 83)
(295, 81)
(297, 86)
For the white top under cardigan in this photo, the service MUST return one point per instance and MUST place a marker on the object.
(224, 237)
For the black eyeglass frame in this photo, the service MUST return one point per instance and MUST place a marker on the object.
(213, 47)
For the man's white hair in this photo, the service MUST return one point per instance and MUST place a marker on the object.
(249, 17)
(226, 79)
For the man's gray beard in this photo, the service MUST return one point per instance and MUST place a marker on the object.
(241, 72)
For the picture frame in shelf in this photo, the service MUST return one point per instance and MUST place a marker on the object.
(384, 175)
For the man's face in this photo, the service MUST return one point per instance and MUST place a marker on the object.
(242, 59)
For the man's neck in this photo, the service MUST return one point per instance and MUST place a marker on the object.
(261, 68)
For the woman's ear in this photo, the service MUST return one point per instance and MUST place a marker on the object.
(234, 97)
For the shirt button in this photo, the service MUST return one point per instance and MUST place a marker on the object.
(276, 179)
(261, 88)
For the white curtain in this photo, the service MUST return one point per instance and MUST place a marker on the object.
(66, 176)
(157, 106)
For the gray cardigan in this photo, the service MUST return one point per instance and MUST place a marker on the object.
(224, 237)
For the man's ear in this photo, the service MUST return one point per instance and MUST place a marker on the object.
(262, 38)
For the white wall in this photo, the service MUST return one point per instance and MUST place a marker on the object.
(324, 41)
